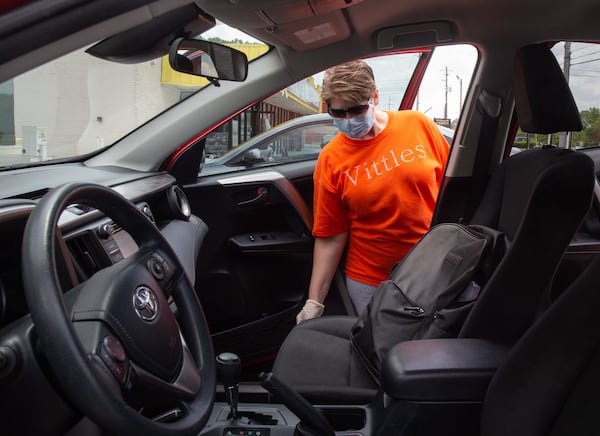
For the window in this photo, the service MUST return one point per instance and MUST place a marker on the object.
(445, 83)
(291, 125)
(581, 65)
(296, 140)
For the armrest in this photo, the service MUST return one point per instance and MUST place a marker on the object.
(441, 369)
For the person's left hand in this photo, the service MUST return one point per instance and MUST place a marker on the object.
(311, 309)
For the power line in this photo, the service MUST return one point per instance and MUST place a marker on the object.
(585, 55)
(585, 70)
(558, 49)
(581, 46)
(586, 62)
(584, 75)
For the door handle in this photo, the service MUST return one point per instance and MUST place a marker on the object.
(262, 196)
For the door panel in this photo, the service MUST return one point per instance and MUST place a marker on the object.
(254, 267)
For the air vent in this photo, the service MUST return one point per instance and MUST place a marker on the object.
(179, 203)
(87, 253)
(34, 195)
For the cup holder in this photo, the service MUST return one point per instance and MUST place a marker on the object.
(345, 418)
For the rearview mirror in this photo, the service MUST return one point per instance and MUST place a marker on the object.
(208, 59)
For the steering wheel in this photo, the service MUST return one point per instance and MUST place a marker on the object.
(114, 345)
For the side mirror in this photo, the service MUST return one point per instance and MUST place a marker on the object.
(253, 156)
(202, 160)
(208, 59)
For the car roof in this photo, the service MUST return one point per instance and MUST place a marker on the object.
(367, 26)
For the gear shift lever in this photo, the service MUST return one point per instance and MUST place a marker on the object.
(229, 369)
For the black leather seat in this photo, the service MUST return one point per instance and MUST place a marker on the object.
(544, 385)
(548, 385)
(538, 198)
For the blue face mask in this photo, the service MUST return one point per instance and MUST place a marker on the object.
(355, 127)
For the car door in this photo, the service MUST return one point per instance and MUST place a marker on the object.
(254, 267)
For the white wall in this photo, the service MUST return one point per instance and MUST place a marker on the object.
(85, 103)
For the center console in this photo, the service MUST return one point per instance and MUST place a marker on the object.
(437, 386)
(262, 419)
(428, 387)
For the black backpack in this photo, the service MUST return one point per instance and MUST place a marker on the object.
(430, 291)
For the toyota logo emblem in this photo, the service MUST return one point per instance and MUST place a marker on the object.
(145, 303)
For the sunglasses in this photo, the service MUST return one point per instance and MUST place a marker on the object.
(353, 111)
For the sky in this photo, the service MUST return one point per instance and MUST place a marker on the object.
(391, 79)
(584, 72)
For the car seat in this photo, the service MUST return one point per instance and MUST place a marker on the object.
(548, 383)
(538, 198)
(544, 385)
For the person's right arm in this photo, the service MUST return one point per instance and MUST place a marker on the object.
(326, 257)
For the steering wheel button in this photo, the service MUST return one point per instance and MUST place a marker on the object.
(114, 349)
(155, 266)
(119, 372)
(168, 271)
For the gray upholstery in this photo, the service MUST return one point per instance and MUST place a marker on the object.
(318, 361)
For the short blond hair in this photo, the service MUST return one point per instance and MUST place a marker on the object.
(352, 82)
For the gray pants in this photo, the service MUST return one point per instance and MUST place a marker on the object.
(360, 294)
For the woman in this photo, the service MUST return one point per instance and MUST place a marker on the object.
(376, 184)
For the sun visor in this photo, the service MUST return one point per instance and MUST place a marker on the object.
(152, 39)
(544, 102)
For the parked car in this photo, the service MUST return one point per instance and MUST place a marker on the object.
(299, 139)
(126, 271)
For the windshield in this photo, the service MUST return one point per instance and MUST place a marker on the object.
(79, 104)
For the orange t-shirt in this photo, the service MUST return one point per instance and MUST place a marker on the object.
(382, 191)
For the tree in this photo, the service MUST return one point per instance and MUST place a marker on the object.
(222, 41)
(590, 135)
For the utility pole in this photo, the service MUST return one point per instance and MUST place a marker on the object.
(459, 94)
(446, 92)
(567, 60)
(564, 140)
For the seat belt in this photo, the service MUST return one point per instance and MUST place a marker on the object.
(340, 283)
(490, 108)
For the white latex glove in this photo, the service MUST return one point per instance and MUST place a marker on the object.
(311, 309)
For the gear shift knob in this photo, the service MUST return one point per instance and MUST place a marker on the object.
(229, 369)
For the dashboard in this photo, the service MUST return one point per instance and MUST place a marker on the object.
(92, 241)
(88, 241)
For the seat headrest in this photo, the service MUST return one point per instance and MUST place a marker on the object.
(543, 99)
